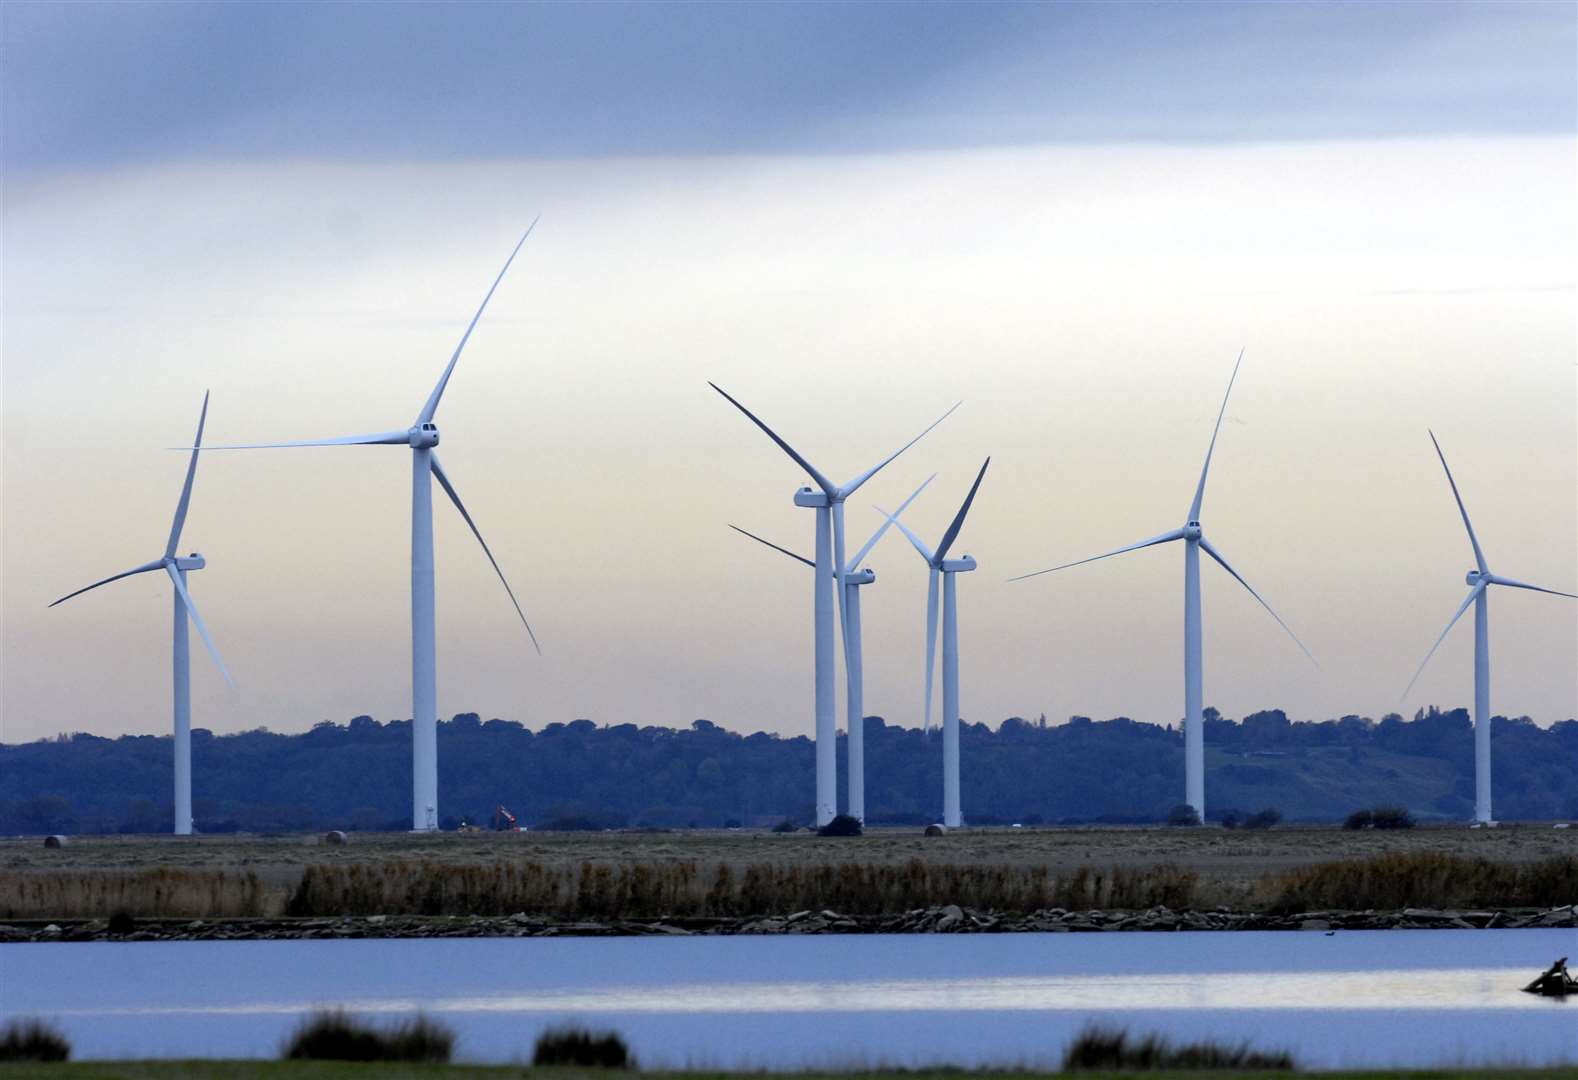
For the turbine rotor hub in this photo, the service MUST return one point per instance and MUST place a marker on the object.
(423, 436)
(1474, 577)
(1192, 531)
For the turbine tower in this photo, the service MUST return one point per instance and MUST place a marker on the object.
(854, 673)
(948, 568)
(828, 502)
(1194, 542)
(177, 567)
(1479, 579)
(422, 438)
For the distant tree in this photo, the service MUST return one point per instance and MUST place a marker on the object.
(1265, 819)
(1183, 814)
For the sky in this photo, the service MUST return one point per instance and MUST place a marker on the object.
(1072, 218)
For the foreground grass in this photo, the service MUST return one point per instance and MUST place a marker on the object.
(328, 1070)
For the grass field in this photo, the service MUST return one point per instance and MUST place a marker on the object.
(740, 872)
(325, 1070)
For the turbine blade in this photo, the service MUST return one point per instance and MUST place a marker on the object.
(931, 640)
(186, 489)
(1176, 534)
(958, 519)
(919, 544)
(1472, 594)
(1479, 556)
(197, 620)
(860, 556)
(428, 410)
(850, 488)
(774, 546)
(380, 438)
(1199, 492)
(449, 489)
(821, 481)
(1496, 579)
(143, 569)
(1217, 555)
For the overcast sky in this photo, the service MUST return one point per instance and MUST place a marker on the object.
(1071, 217)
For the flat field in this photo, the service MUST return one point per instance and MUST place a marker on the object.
(1233, 860)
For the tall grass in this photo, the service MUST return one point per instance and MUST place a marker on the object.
(1426, 879)
(1099, 1048)
(33, 1040)
(578, 1047)
(649, 890)
(332, 1035)
(153, 893)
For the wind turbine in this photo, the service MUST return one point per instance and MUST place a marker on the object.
(1479, 579)
(1194, 542)
(854, 674)
(948, 568)
(422, 437)
(829, 505)
(177, 567)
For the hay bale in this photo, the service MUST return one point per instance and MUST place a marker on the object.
(936, 830)
(55, 841)
(334, 838)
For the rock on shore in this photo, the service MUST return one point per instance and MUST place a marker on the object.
(948, 919)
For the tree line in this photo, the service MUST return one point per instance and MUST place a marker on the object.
(357, 775)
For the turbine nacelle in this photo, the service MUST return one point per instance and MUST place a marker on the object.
(1474, 577)
(1192, 531)
(811, 497)
(423, 436)
(194, 561)
(860, 577)
(962, 565)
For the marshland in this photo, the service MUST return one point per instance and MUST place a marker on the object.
(705, 873)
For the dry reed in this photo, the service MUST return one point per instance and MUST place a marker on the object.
(1428, 879)
(154, 893)
(649, 890)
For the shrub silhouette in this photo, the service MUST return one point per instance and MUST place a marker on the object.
(1100, 1048)
(579, 1047)
(1263, 820)
(334, 1036)
(1183, 814)
(1392, 817)
(786, 826)
(32, 1040)
(1360, 819)
(842, 825)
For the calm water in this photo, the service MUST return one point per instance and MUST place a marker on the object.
(1403, 997)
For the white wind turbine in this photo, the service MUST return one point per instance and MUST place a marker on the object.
(948, 568)
(829, 506)
(1194, 542)
(177, 567)
(422, 437)
(854, 674)
(1479, 581)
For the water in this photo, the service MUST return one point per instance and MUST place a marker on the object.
(1414, 997)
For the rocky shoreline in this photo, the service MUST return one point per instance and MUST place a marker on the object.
(948, 919)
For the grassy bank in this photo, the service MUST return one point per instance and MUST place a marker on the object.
(323, 1070)
(645, 890)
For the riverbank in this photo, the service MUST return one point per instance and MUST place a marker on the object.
(946, 919)
(767, 883)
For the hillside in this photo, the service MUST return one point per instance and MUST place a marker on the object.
(357, 775)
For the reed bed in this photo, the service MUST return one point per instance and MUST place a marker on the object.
(153, 893)
(651, 890)
(1430, 879)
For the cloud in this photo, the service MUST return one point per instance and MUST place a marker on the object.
(96, 84)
